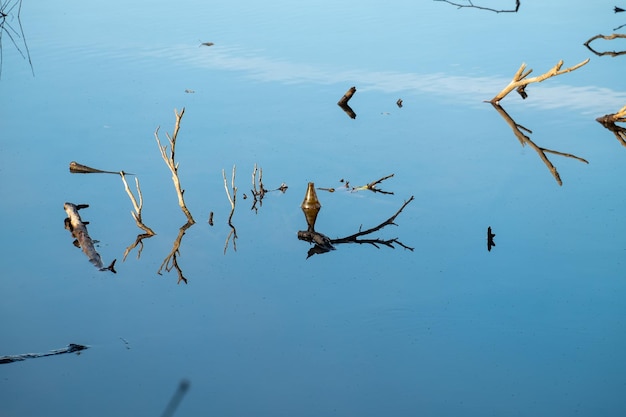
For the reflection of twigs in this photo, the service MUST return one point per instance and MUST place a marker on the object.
(171, 260)
(232, 199)
(138, 241)
(171, 164)
(5, 9)
(520, 80)
(372, 186)
(609, 120)
(483, 8)
(526, 140)
(607, 37)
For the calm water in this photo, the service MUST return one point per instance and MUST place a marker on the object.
(534, 327)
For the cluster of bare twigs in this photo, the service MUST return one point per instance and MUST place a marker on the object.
(470, 4)
(138, 206)
(172, 164)
(258, 190)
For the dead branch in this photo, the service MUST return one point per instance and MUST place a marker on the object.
(609, 121)
(258, 193)
(171, 260)
(138, 242)
(460, 6)
(137, 206)
(520, 80)
(343, 102)
(324, 244)
(525, 140)
(171, 164)
(606, 37)
(232, 199)
(372, 186)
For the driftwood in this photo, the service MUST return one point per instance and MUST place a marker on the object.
(171, 164)
(370, 186)
(525, 140)
(76, 168)
(609, 121)
(323, 243)
(171, 260)
(343, 102)
(71, 348)
(606, 37)
(520, 81)
(78, 228)
(471, 5)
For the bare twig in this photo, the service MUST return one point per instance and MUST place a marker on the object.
(136, 205)
(372, 186)
(171, 164)
(343, 102)
(470, 4)
(520, 80)
(607, 37)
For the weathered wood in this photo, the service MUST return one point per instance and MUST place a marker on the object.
(78, 229)
(520, 80)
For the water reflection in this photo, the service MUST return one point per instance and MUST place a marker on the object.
(605, 37)
(609, 121)
(171, 260)
(311, 207)
(525, 140)
(9, 10)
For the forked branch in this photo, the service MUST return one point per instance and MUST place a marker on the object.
(606, 37)
(520, 81)
(172, 164)
(470, 4)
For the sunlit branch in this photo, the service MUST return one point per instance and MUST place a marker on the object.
(520, 81)
(470, 4)
(136, 205)
(171, 164)
(372, 186)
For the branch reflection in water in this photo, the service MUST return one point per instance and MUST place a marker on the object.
(323, 244)
(525, 140)
(171, 260)
(609, 121)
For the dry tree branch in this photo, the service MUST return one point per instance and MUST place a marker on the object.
(137, 206)
(460, 6)
(525, 140)
(171, 164)
(607, 37)
(372, 186)
(520, 81)
(232, 199)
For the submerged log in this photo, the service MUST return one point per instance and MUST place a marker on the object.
(71, 348)
(78, 228)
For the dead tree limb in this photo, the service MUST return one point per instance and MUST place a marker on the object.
(372, 186)
(171, 164)
(525, 140)
(343, 102)
(470, 4)
(520, 81)
(606, 37)
(136, 205)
